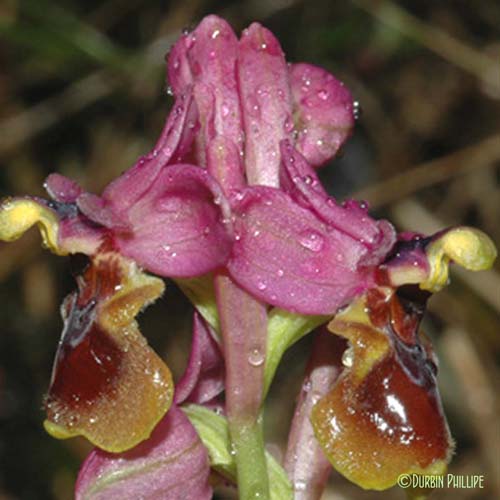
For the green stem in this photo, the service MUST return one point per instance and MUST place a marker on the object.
(248, 445)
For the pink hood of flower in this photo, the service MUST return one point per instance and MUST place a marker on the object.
(294, 246)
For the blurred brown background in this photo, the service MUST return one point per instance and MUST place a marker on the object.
(82, 92)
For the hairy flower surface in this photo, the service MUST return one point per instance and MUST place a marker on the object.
(107, 384)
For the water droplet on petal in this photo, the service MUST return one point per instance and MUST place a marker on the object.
(261, 285)
(323, 94)
(215, 34)
(312, 241)
(288, 125)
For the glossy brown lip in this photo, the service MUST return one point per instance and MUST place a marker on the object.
(384, 415)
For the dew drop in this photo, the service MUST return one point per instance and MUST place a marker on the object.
(255, 357)
(288, 125)
(280, 273)
(312, 241)
(252, 106)
(215, 34)
(323, 94)
(299, 485)
(315, 397)
(261, 285)
(348, 357)
(356, 110)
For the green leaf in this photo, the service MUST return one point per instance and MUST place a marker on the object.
(214, 433)
(284, 329)
(200, 291)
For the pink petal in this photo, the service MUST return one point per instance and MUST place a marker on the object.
(179, 76)
(78, 235)
(323, 111)
(181, 225)
(266, 102)
(173, 144)
(171, 464)
(224, 164)
(288, 257)
(300, 180)
(62, 189)
(207, 60)
(203, 379)
(97, 210)
(212, 57)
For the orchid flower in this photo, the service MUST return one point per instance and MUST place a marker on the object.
(230, 196)
(160, 216)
